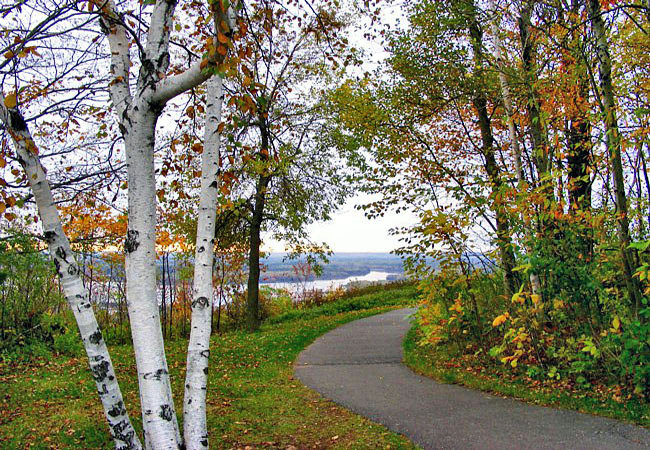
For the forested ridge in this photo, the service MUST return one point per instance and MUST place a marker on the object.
(150, 149)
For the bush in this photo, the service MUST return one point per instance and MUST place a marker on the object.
(29, 295)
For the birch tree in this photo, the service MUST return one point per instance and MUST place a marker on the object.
(76, 295)
(510, 112)
(138, 108)
(32, 44)
(198, 350)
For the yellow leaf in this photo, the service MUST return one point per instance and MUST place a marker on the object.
(616, 323)
(10, 101)
(519, 298)
(500, 319)
(535, 298)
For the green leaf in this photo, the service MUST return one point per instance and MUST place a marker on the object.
(642, 246)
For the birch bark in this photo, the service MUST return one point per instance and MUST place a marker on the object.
(137, 115)
(507, 103)
(504, 242)
(198, 350)
(505, 92)
(195, 429)
(76, 295)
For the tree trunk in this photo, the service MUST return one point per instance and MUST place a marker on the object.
(540, 144)
(158, 412)
(578, 127)
(504, 244)
(198, 350)
(77, 297)
(613, 141)
(512, 132)
(172, 297)
(163, 302)
(252, 303)
(505, 94)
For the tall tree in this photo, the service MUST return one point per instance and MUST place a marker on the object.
(198, 350)
(480, 102)
(289, 177)
(138, 113)
(613, 140)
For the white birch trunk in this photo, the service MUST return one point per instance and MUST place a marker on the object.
(198, 350)
(505, 92)
(76, 295)
(137, 116)
(158, 412)
(510, 111)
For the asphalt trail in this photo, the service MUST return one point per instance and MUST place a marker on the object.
(359, 365)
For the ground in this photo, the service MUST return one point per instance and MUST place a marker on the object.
(253, 399)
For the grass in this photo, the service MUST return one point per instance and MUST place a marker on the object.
(253, 400)
(442, 365)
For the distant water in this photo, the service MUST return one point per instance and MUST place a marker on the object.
(326, 285)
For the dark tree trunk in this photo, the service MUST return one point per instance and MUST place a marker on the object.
(504, 244)
(252, 303)
(645, 178)
(608, 104)
(540, 146)
(253, 299)
(579, 129)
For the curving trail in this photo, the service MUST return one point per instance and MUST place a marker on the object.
(358, 365)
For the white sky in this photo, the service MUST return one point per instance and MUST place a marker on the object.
(350, 231)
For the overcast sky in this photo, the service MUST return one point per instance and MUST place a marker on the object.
(350, 232)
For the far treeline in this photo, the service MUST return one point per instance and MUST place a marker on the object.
(149, 146)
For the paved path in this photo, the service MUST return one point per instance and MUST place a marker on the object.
(359, 366)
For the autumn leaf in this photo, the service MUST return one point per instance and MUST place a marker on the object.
(500, 319)
(222, 38)
(519, 298)
(11, 101)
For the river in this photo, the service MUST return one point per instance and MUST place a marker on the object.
(326, 285)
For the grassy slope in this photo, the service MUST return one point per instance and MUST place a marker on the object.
(252, 400)
(439, 365)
